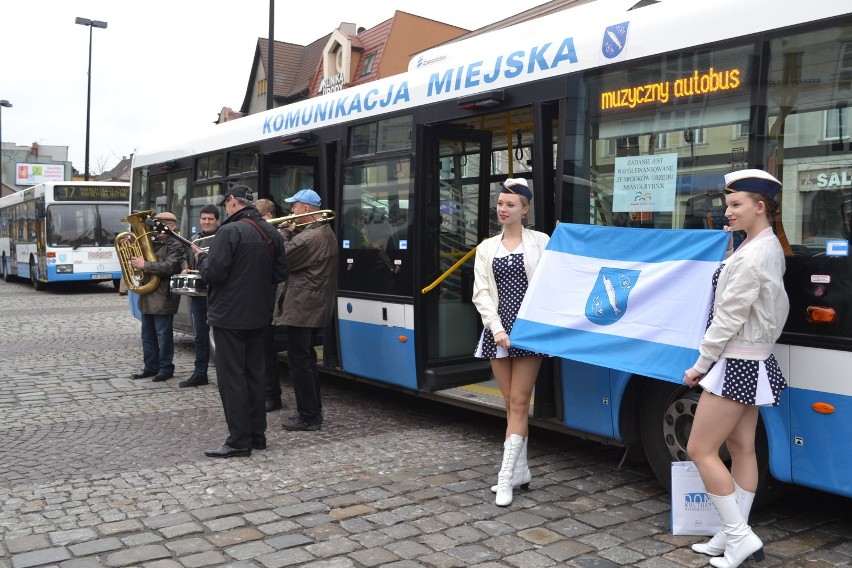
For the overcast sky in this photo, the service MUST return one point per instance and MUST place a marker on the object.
(162, 67)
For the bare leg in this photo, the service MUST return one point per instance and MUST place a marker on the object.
(715, 420)
(516, 378)
(741, 446)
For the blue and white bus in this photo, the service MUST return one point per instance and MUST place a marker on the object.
(63, 231)
(571, 101)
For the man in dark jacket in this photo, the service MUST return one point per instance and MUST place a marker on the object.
(243, 268)
(305, 305)
(159, 306)
(208, 217)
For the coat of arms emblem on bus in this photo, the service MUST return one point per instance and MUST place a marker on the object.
(608, 299)
(614, 40)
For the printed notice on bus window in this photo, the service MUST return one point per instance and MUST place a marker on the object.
(645, 183)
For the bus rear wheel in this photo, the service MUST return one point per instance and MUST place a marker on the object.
(668, 410)
(38, 285)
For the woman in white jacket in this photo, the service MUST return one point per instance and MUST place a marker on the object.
(504, 265)
(736, 367)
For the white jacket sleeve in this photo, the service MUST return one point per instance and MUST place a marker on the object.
(484, 290)
(742, 286)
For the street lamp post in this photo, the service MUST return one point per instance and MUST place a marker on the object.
(7, 104)
(91, 24)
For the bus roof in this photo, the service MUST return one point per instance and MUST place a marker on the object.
(575, 39)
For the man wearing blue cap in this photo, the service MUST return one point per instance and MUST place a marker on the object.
(307, 302)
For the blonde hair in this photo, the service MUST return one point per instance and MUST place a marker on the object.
(265, 206)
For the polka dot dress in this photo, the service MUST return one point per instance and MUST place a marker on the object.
(756, 383)
(511, 278)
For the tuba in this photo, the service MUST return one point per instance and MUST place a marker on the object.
(136, 242)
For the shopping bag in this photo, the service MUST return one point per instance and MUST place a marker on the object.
(692, 512)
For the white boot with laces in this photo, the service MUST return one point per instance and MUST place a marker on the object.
(511, 449)
(522, 476)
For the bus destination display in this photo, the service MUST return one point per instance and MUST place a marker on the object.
(90, 193)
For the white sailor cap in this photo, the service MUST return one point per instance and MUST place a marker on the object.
(755, 181)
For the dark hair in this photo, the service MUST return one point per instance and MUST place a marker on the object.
(210, 208)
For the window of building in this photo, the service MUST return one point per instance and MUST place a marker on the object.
(261, 87)
(368, 64)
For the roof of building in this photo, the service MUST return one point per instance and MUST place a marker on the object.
(121, 171)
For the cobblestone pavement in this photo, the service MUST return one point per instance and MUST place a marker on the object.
(100, 470)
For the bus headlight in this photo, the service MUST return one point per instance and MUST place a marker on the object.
(64, 268)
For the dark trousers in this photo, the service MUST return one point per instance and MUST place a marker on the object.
(158, 346)
(273, 384)
(198, 310)
(302, 361)
(240, 370)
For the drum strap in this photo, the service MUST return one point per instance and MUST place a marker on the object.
(262, 234)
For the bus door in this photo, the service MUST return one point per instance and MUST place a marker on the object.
(454, 199)
(285, 173)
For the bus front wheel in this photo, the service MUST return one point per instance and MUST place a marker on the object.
(668, 410)
(38, 285)
(7, 273)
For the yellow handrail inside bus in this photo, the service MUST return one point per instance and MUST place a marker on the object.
(449, 271)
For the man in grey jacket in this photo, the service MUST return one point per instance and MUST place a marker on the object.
(306, 305)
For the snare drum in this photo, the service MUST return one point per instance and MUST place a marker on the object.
(187, 285)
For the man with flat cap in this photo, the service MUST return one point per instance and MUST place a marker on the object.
(243, 268)
(159, 306)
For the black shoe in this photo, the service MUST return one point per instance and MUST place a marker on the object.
(195, 380)
(227, 451)
(258, 445)
(160, 377)
(296, 423)
(273, 405)
(143, 375)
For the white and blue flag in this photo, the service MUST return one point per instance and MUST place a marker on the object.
(636, 300)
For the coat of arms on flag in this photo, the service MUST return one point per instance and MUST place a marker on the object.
(636, 300)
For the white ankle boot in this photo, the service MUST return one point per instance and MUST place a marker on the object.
(522, 476)
(716, 545)
(511, 448)
(740, 541)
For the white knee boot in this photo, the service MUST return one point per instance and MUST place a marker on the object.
(522, 476)
(511, 449)
(716, 545)
(740, 541)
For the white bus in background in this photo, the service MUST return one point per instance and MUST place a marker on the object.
(63, 231)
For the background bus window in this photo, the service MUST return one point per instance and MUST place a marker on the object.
(664, 134)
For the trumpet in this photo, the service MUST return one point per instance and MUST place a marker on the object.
(325, 214)
(202, 239)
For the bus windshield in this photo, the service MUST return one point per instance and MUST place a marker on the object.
(76, 224)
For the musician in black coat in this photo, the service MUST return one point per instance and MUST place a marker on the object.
(243, 268)
(208, 218)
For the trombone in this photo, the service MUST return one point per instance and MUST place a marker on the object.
(325, 214)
